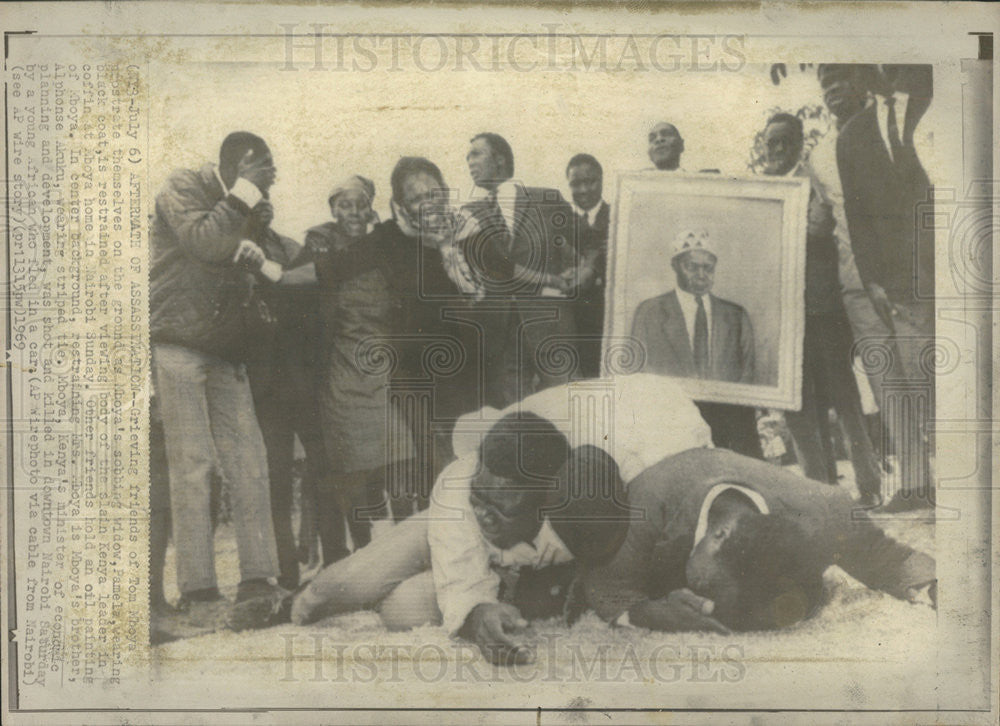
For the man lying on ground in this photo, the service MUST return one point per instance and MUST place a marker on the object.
(445, 566)
(745, 542)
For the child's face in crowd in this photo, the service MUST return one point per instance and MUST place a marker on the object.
(351, 210)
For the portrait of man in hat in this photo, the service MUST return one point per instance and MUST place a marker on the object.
(689, 332)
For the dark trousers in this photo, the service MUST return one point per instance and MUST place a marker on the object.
(589, 317)
(733, 428)
(828, 381)
(364, 497)
(529, 347)
(282, 416)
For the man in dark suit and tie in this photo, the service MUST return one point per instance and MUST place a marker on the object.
(690, 333)
(518, 243)
(884, 183)
(587, 278)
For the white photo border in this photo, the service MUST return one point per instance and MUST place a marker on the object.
(793, 193)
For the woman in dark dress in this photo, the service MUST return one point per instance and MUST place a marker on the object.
(366, 439)
(436, 326)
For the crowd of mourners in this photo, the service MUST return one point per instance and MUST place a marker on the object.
(441, 345)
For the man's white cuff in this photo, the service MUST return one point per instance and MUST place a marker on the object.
(247, 192)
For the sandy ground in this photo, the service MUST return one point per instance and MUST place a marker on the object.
(863, 648)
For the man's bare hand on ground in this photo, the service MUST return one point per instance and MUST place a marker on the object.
(680, 611)
(499, 631)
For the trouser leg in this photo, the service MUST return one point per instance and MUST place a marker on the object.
(360, 504)
(807, 430)
(159, 505)
(913, 405)
(330, 522)
(841, 387)
(308, 428)
(181, 387)
(733, 428)
(279, 440)
(243, 458)
(551, 355)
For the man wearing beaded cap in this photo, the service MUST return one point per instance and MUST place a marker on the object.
(691, 333)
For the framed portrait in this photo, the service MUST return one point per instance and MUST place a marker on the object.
(706, 284)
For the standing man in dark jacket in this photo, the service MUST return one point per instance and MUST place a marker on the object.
(284, 367)
(827, 378)
(518, 243)
(587, 280)
(885, 185)
(201, 301)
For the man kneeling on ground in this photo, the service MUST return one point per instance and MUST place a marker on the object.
(496, 513)
(737, 542)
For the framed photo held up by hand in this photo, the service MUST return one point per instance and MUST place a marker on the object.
(706, 284)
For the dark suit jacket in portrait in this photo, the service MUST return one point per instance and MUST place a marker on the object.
(659, 325)
(668, 497)
(881, 199)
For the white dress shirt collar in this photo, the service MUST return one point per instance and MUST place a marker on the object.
(706, 505)
(506, 195)
(590, 214)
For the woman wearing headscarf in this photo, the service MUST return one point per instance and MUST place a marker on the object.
(437, 341)
(365, 437)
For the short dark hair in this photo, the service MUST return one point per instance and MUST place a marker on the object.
(501, 148)
(524, 448)
(409, 166)
(589, 509)
(787, 118)
(581, 159)
(778, 571)
(238, 143)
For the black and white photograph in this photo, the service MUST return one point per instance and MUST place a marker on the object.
(680, 289)
(552, 366)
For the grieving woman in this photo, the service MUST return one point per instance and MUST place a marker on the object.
(356, 307)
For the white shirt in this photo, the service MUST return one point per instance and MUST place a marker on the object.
(639, 420)
(689, 307)
(506, 194)
(882, 113)
(590, 214)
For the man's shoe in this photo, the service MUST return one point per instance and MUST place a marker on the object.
(207, 594)
(906, 501)
(870, 500)
(257, 602)
(201, 611)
